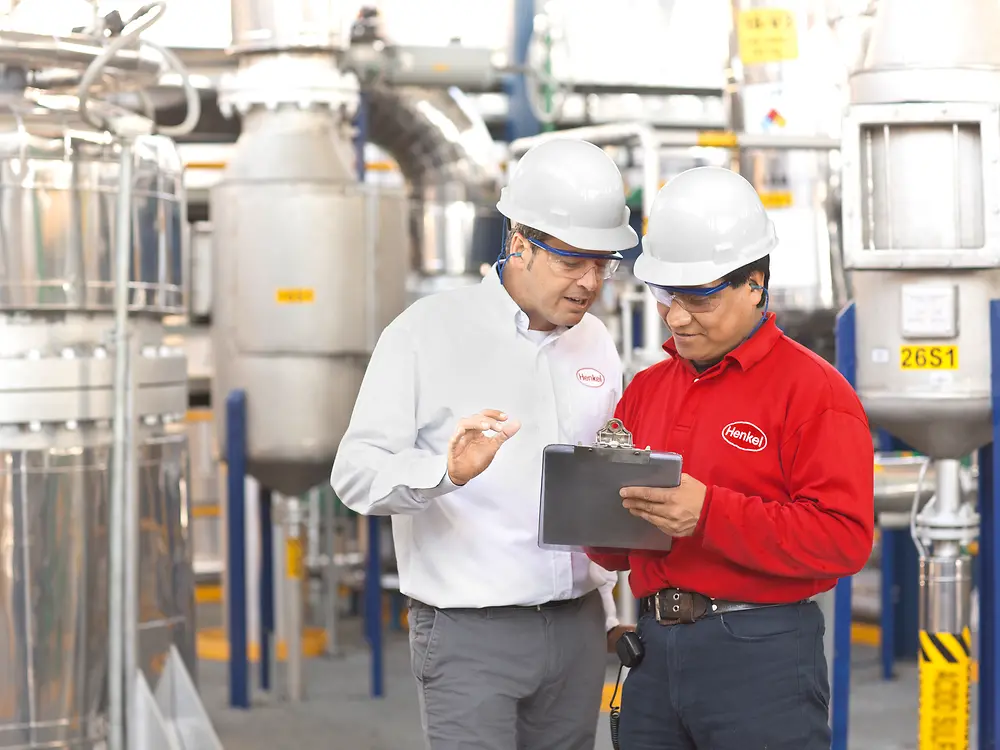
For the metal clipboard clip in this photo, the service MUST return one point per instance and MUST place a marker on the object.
(614, 444)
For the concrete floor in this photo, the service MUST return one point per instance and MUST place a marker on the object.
(338, 713)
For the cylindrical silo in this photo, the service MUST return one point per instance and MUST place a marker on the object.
(57, 233)
(308, 264)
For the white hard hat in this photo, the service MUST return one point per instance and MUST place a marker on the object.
(570, 189)
(704, 224)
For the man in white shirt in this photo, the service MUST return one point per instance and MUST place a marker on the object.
(508, 640)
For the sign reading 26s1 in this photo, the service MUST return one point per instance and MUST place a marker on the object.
(923, 357)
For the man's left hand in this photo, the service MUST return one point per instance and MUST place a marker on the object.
(615, 633)
(674, 511)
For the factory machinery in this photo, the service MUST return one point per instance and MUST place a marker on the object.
(96, 585)
(281, 305)
(921, 339)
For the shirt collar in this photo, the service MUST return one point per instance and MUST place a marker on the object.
(499, 301)
(749, 352)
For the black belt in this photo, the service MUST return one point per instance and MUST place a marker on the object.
(674, 606)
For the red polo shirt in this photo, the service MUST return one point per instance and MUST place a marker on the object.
(783, 445)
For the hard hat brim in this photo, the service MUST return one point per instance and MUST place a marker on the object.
(595, 239)
(664, 273)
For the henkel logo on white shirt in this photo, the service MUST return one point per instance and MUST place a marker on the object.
(590, 377)
(745, 435)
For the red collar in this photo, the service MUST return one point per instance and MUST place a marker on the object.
(749, 352)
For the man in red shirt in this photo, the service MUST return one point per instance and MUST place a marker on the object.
(775, 503)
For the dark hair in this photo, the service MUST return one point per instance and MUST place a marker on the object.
(741, 275)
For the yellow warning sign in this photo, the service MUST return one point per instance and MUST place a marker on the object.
(944, 690)
(295, 296)
(767, 35)
(293, 558)
(717, 139)
(776, 199)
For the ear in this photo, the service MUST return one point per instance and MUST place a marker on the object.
(517, 247)
(757, 284)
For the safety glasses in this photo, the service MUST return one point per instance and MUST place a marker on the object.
(693, 300)
(573, 265)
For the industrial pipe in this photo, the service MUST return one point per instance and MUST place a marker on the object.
(728, 139)
(293, 597)
(73, 52)
(942, 533)
(120, 461)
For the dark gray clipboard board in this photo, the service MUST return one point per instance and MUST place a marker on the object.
(580, 504)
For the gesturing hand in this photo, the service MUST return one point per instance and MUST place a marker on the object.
(674, 511)
(470, 450)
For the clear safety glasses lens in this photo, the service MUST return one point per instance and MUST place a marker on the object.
(701, 301)
(571, 265)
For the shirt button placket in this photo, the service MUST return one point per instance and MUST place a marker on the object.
(562, 562)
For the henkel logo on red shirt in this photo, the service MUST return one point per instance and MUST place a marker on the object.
(745, 435)
(590, 377)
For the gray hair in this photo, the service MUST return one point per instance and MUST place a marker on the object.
(525, 231)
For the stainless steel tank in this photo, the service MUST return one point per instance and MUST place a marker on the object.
(308, 264)
(786, 71)
(56, 406)
(922, 222)
(288, 25)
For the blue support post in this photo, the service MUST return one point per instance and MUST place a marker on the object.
(266, 587)
(842, 615)
(373, 572)
(236, 466)
(989, 560)
(906, 619)
(521, 121)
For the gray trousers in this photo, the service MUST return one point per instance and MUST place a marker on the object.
(510, 678)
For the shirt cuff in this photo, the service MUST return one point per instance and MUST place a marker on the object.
(443, 487)
(425, 476)
(699, 530)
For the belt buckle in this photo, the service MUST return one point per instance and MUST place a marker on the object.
(683, 608)
(676, 616)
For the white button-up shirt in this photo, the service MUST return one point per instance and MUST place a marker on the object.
(446, 357)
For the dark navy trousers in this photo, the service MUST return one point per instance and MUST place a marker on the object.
(747, 680)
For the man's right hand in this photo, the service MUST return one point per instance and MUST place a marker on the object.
(470, 451)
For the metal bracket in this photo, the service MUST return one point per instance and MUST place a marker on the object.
(613, 435)
(614, 443)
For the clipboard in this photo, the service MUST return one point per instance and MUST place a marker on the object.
(580, 504)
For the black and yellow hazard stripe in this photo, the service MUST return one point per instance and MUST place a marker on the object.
(945, 660)
(945, 648)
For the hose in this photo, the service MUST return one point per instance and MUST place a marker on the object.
(122, 40)
(538, 77)
(190, 92)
